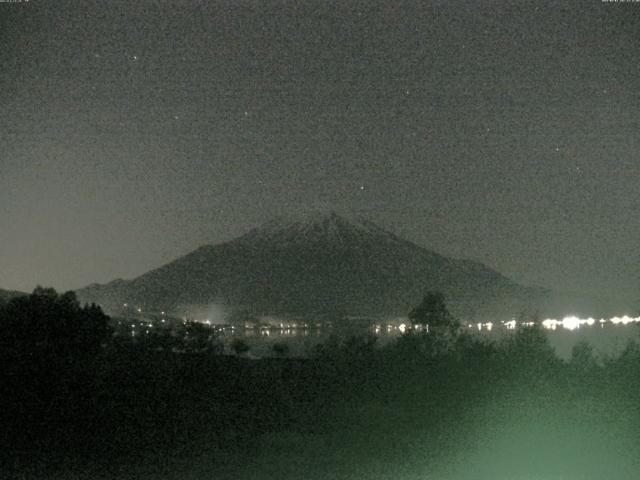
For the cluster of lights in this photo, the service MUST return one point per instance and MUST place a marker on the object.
(402, 328)
(573, 323)
(569, 323)
(294, 325)
(624, 320)
(483, 326)
(135, 328)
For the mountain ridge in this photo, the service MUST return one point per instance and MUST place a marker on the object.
(319, 265)
(6, 295)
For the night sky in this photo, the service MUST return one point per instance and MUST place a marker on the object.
(506, 132)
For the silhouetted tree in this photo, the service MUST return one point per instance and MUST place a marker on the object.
(475, 350)
(198, 337)
(359, 346)
(159, 340)
(45, 322)
(583, 358)
(49, 348)
(240, 347)
(529, 350)
(280, 349)
(432, 313)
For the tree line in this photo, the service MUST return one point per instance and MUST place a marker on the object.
(75, 399)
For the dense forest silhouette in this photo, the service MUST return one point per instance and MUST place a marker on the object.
(79, 402)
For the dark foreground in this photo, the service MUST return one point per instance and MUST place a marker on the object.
(410, 410)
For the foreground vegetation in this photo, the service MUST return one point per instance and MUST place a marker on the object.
(76, 403)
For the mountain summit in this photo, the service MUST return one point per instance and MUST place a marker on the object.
(316, 228)
(319, 264)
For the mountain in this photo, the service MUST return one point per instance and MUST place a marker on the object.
(320, 264)
(6, 295)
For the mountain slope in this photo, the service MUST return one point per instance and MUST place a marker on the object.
(6, 295)
(322, 264)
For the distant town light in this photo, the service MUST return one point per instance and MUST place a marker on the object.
(511, 325)
(571, 323)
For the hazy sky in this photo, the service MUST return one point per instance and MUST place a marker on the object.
(507, 132)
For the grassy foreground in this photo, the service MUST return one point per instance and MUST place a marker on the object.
(410, 410)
